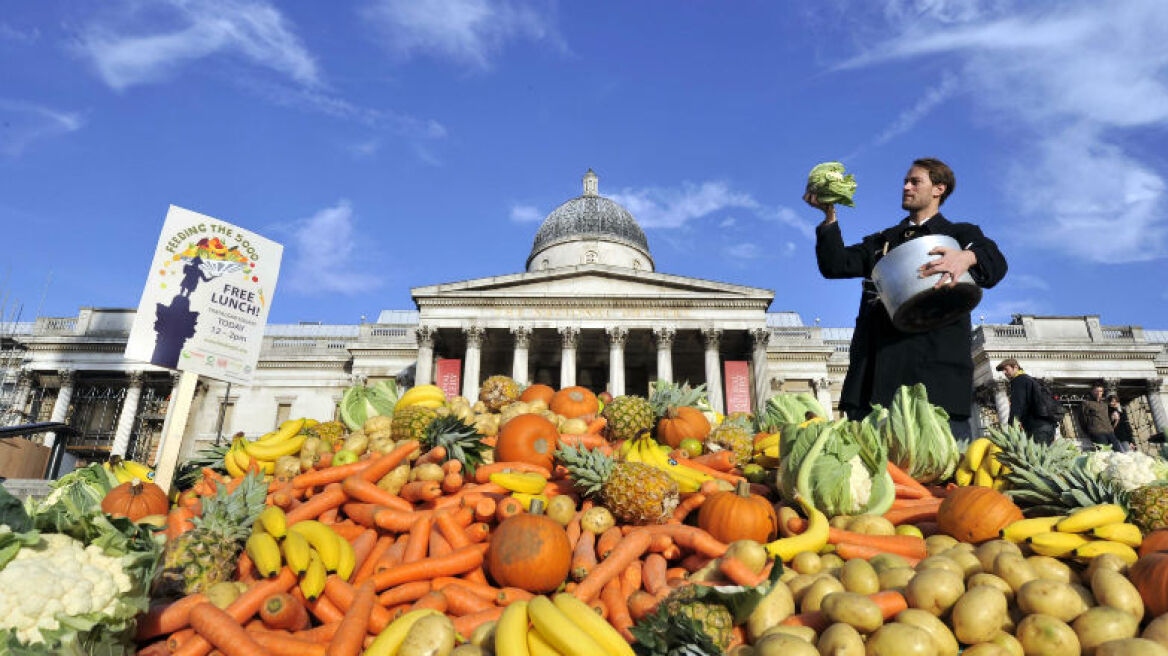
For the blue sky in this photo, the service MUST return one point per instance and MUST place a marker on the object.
(391, 144)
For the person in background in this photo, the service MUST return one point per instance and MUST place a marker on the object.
(1025, 404)
(1119, 423)
(882, 357)
(1097, 420)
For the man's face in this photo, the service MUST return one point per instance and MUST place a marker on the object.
(919, 191)
(1097, 392)
(1010, 371)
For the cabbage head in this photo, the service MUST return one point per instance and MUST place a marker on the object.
(840, 467)
(917, 434)
(830, 185)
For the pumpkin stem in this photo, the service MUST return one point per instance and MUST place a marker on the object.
(743, 489)
(536, 507)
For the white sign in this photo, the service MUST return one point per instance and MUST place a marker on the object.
(207, 298)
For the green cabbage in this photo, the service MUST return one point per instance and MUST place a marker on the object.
(840, 467)
(918, 436)
(359, 403)
(784, 409)
(830, 185)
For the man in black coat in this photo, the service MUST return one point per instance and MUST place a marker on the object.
(1026, 402)
(882, 357)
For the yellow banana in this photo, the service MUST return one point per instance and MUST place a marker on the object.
(526, 499)
(527, 483)
(297, 553)
(274, 450)
(625, 450)
(137, 470)
(264, 552)
(121, 474)
(981, 476)
(594, 625)
(1085, 519)
(1128, 534)
(229, 462)
(1095, 548)
(511, 630)
(243, 460)
(312, 583)
(387, 642)
(323, 540)
(766, 442)
(963, 476)
(977, 451)
(555, 627)
(286, 430)
(348, 559)
(1000, 483)
(811, 539)
(272, 519)
(995, 465)
(538, 646)
(1055, 544)
(1023, 528)
(309, 423)
(688, 479)
(427, 396)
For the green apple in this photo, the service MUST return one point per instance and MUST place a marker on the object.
(344, 457)
(691, 446)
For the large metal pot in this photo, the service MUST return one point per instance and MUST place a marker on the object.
(911, 300)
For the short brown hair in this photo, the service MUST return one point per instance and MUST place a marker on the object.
(939, 173)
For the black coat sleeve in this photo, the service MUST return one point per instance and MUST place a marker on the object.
(839, 261)
(1019, 399)
(991, 264)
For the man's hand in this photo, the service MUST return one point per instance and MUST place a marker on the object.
(952, 264)
(827, 208)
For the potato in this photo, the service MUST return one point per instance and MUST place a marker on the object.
(941, 562)
(801, 632)
(935, 544)
(1157, 630)
(1131, 647)
(287, 467)
(978, 614)
(783, 644)
(881, 562)
(1053, 569)
(561, 508)
(484, 636)
(468, 650)
(1114, 589)
(395, 479)
(896, 579)
(1053, 598)
(800, 585)
(776, 606)
(1105, 561)
(934, 590)
(1013, 569)
(432, 635)
(858, 576)
(840, 521)
(382, 446)
(965, 559)
(1009, 643)
(788, 574)
(855, 609)
(840, 640)
(831, 561)
(813, 598)
(942, 637)
(597, 520)
(1043, 635)
(896, 639)
(985, 578)
(751, 553)
(741, 650)
(222, 594)
(871, 525)
(1084, 593)
(986, 552)
(985, 649)
(806, 562)
(1103, 624)
(427, 472)
(962, 546)
(377, 423)
(357, 442)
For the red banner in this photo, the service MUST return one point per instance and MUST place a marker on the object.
(737, 382)
(449, 377)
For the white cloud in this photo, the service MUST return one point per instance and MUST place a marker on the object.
(1026, 281)
(1071, 81)
(17, 35)
(126, 52)
(656, 207)
(324, 257)
(926, 103)
(330, 105)
(364, 149)
(467, 32)
(744, 251)
(525, 214)
(728, 222)
(22, 123)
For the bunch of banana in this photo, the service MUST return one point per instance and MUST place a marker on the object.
(309, 548)
(980, 466)
(127, 470)
(1084, 534)
(427, 396)
(284, 441)
(766, 451)
(645, 450)
(562, 624)
(522, 482)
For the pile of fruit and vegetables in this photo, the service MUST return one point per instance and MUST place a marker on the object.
(539, 522)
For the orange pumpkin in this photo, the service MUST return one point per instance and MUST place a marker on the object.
(529, 551)
(975, 514)
(528, 438)
(538, 392)
(135, 499)
(739, 515)
(1150, 576)
(573, 402)
(1155, 541)
(682, 423)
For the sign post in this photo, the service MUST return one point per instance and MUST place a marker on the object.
(203, 312)
(737, 381)
(449, 376)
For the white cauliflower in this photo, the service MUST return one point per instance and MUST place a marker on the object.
(59, 575)
(860, 484)
(1131, 470)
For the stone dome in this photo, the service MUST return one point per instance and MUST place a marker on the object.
(595, 229)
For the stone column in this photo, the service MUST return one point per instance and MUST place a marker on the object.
(571, 337)
(823, 395)
(1156, 403)
(470, 370)
(1002, 400)
(617, 336)
(664, 337)
(126, 417)
(713, 339)
(61, 406)
(424, 369)
(759, 337)
(519, 362)
(24, 381)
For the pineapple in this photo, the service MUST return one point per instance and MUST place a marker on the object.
(498, 391)
(714, 619)
(463, 442)
(668, 399)
(207, 554)
(1148, 506)
(735, 434)
(685, 626)
(329, 430)
(636, 493)
(628, 417)
(410, 422)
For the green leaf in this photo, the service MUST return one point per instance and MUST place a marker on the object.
(12, 513)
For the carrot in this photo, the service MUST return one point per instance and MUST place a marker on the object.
(351, 634)
(630, 579)
(848, 551)
(909, 492)
(483, 473)
(905, 545)
(690, 537)
(343, 596)
(633, 546)
(418, 540)
(509, 596)
(694, 562)
(676, 574)
(682, 460)
(404, 593)
(607, 541)
(688, 505)
(596, 425)
(653, 573)
(223, 631)
(461, 601)
(398, 522)
(915, 514)
(710, 487)
(438, 545)
(435, 455)
(283, 611)
(329, 516)
(159, 648)
(901, 502)
(321, 634)
(178, 521)
(901, 477)
(348, 529)
(457, 562)
(416, 491)
(392, 556)
(722, 460)
(890, 602)
(508, 507)
(452, 482)
(483, 590)
(381, 466)
(327, 475)
(484, 509)
(163, 619)
(660, 543)
(618, 608)
(277, 644)
(477, 532)
(359, 489)
(182, 637)
(366, 562)
(466, 624)
(584, 440)
(641, 604)
(332, 497)
(738, 572)
(584, 555)
(450, 529)
(434, 600)
(470, 493)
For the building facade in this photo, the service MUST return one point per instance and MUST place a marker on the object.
(589, 309)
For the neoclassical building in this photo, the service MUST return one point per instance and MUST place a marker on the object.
(589, 308)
